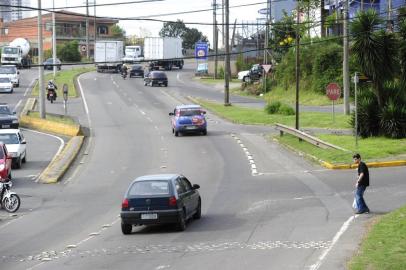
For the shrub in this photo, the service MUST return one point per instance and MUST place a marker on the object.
(70, 52)
(286, 110)
(368, 114)
(393, 119)
(272, 107)
(221, 73)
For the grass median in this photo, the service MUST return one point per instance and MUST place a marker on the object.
(250, 116)
(385, 245)
(63, 77)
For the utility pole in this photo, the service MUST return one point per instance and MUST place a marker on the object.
(95, 29)
(227, 58)
(87, 29)
(222, 21)
(53, 38)
(346, 67)
(215, 37)
(40, 70)
(297, 65)
(266, 42)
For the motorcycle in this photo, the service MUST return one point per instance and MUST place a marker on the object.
(124, 74)
(51, 94)
(9, 200)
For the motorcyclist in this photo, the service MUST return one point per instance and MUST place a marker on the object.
(51, 87)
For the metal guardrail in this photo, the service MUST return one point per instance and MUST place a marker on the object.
(306, 137)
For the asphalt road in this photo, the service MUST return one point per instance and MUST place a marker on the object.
(265, 209)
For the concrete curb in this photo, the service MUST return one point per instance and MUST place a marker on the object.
(60, 164)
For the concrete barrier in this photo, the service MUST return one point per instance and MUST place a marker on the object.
(60, 164)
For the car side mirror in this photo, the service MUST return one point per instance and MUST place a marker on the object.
(18, 72)
(23, 142)
(171, 114)
(195, 186)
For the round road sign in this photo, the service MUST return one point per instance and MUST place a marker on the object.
(333, 91)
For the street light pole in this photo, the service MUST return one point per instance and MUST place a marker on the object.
(87, 30)
(297, 65)
(53, 38)
(40, 70)
(346, 66)
(227, 58)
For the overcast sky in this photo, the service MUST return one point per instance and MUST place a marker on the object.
(248, 13)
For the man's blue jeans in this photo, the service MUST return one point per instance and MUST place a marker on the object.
(359, 198)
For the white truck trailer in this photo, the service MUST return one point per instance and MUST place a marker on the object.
(16, 53)
(108, 55)
(163, 52)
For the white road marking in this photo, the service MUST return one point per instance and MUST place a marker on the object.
(18, 105)
(251, 161)
(142, 112)
(50, 135)
(342, 230)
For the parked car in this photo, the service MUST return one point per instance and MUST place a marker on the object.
(5, 162)
(6, 86)
(48, 64)
(137, 70)
(156, 78)
(16, 145)
(254, 74)
(188, 119)
(160, 199)
(8, 119)
(11, 72)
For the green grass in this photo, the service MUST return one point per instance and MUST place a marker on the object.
(244, 115)
(305, 97)
(55, 118)
(64, 77)
(371, 149)
(384, 248)
(207, 80)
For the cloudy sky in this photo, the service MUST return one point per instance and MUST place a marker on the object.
(132, 27)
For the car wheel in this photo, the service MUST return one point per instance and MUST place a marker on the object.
(182, 221)
(126, 228)
(145, 83)
(9, 175)
(166, 85)
(198, 213)
(24, 160)
(18, 163)
(204, 132)
(176, 133)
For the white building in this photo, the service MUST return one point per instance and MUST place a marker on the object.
(14, 11)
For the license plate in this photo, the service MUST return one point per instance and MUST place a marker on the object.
(190, 127)
(5, 126)
(160, 82)
(149, 216)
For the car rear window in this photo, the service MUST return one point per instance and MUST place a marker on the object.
(137, 67)
(189, 112)
(143, 188)
(4, 110)
(158, 75)
(9, 138)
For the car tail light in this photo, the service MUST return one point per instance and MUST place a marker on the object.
(124, 204)
(173, 201)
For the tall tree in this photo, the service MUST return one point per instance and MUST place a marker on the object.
(191, 36)
(374, 50)
(117, 31)
(173, 29)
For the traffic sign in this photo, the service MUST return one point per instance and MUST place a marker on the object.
(267, 68)
(201, 50)
(333, 91)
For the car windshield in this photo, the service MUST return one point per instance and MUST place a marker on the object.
(7, 70)
(189, 112)
(4, 110)
(9, 50)
(143, 188)
(9, 138)
(4, 80)
(137, 67)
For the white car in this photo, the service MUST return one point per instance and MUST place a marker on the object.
(11, 72)
(16, 145)
(6, 86)
(244, 75)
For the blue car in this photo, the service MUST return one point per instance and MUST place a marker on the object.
(160, 199)
(188, 119)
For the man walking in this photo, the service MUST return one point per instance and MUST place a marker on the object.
(361, 184)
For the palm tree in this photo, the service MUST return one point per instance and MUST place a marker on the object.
(375, 50)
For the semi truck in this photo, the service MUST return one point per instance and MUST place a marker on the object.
(163, 52)
(17, 53)
(108, 55)
(133, 54)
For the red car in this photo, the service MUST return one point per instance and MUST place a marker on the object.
(5, 162)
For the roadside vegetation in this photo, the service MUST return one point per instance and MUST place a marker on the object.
(62, 119)
(250, 116)
(63, 77)
(385, 245)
